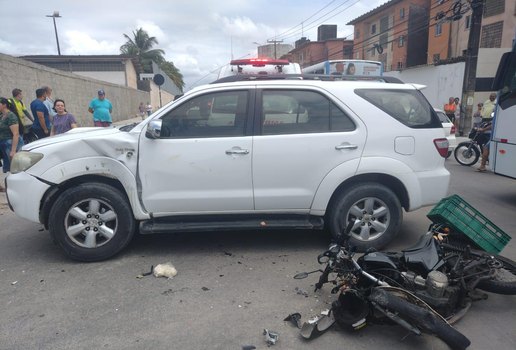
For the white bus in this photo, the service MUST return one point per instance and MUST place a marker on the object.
(503, 143)
(346, 67)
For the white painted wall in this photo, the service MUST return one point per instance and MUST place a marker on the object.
(441, 82)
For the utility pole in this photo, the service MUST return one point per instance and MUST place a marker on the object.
(470, 69)
(275, 42)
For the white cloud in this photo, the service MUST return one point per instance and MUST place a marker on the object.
(152, 29)
(80, 43)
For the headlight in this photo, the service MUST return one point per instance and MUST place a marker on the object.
(24, 160)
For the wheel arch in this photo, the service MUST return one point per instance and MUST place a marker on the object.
(55, 191)
(389, 181)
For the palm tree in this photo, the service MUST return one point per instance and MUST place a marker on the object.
(141, 45)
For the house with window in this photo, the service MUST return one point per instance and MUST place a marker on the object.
(327, 47)
(394, 33)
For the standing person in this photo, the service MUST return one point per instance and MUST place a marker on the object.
(457, 114)
(449, 109)
(10, 141)
(101, 109)
(23, 113)
(477, 116)
(41, 126)
(149, 109)
(141, 110)
(49, 103)
(485, 129)
(488, 108)
(63, 121)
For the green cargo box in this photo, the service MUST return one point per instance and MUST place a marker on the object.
(458, 215)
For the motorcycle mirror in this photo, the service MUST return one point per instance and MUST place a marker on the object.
(302, 275)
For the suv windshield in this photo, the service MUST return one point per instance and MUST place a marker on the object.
(406, 106)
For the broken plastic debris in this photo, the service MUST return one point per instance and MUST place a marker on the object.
(165, 270)
(317, 325)
(301, 292)
(271, 337)
(248, 347)
(295, 319)
(13, 283)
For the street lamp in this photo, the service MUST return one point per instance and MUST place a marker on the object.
(54, 16)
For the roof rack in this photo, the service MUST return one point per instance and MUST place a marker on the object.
(250, 77)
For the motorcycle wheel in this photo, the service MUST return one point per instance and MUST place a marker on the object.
(466, 154)
(504, 279)
(414, 310)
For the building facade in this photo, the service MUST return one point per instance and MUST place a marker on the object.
(408, 33)
(309, 52)
(394, 33)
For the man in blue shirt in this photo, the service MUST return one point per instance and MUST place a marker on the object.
(41, 124)
(101, 109)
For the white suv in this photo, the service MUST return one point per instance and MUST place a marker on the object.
(248, 154)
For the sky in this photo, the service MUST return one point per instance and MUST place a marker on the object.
(199, 36)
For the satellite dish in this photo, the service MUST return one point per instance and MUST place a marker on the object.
(158, 79)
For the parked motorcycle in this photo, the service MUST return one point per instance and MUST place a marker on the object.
(468, 152)
(425, 288)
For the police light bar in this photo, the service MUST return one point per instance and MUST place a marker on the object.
(259, 62)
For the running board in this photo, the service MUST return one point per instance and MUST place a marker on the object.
(232, 222)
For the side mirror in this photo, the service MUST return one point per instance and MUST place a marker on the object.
(153, 129)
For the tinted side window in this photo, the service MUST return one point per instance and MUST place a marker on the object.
(407, 106)
(300, 112)
(220, 114)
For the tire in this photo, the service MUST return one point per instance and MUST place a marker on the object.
(424, 318)
(375, 210)
(448, 154)
(504, 280)
(87, 208)
(464, 155)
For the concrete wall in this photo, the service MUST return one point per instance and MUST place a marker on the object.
(75, 90)
(441, 82)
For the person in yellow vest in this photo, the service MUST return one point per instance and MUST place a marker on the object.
(24, 115)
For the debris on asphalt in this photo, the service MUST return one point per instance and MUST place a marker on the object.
(205, 289)
(146, 273)
(295, 319)
(13, 283)
(165, 270)
(301, 292)
(271, 337)
(248, 347)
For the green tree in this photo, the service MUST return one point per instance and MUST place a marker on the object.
(173, 73)
(141, 45)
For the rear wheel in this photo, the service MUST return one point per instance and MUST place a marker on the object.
(375, 212)
(504, 279)
(466, 154)
(91, 222)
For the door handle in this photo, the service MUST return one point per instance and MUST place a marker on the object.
(346, 146)
(237, 151)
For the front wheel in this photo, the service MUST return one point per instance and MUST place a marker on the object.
(466, 153)
(374, 210)
(91, 222)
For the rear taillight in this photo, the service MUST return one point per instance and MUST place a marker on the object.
(452, 130)
(442, 146)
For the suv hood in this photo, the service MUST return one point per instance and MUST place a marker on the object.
(74, 134)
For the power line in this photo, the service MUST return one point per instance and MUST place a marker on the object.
(421, 25)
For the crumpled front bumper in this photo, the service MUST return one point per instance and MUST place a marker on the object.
(24, 194)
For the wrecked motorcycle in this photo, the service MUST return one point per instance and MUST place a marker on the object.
(425, 288)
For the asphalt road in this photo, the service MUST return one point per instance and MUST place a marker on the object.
(229, 287)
